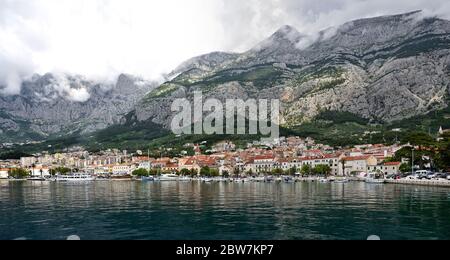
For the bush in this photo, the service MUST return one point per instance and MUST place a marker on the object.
(141, 173)
(19, 173)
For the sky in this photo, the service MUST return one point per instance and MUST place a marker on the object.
(100, 39)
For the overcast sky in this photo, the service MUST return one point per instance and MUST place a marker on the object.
(102, 38)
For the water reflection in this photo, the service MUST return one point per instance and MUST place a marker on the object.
(135, 210)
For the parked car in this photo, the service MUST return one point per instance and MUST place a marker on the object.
(441, 176)
(423, 175)
(395, 176)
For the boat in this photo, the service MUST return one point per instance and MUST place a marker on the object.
(288, 180)
(150, 178)
(341, 181)
(76, 177)
(258, 179)
(185, 179)
(169, 177)
(36, 179)
(222, 179)
(375, 178)
(206, 180)
(324, 180)
(269, 179)
(241, 180)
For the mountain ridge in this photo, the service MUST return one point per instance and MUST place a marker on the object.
(382, 69)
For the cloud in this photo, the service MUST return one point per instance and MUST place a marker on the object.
(63, 87)
(103, 38)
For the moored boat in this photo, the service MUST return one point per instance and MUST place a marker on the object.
(169, 177)
(76, 177)
(324, 180)
(185, 179)
(375, 178)
(36, 179)
(341, 181)
(149, 178)
(206, 180)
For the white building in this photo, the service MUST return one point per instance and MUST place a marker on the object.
(27, 161)
(40, 171)
(389, 168)
(263, 164)
(145, 165)
(4, 173)
(357, 164)
(122, 169)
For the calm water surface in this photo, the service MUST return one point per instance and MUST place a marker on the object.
(134, 210)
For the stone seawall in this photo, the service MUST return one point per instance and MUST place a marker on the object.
(434, 183)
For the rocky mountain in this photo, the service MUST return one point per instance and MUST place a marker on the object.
(382, 69)
(58, 105)
(377, 70)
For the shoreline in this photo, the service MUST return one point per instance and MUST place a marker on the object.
(428, 183)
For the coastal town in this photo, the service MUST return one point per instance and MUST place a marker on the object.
(292, 156)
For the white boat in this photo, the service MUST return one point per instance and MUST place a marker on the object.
(169, 177)
(149, 179)
(222, 179)
(258, 179)
(241, 180)
(185, 179)
(375, 178)
(324, 180)
(341, 181)
(77, 177)
(206, 180)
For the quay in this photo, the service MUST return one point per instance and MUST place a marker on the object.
(433, 183)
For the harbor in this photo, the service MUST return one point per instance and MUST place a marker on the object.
(117, 210)
(86, 178)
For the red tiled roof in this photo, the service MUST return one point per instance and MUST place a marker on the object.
(264, 157)
(392, 163)
(357, 158)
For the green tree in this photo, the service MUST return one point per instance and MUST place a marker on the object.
(153, 172)
(420, 156)
(323, 169)
(306, 170)
(193, 172)
(443, 157)
(292, 171)
(405, 168)
(420, 139)
(214, 173)
(141, 172)
(60, 170)
(236, 171)
(277, 171)
(185, 172)
(205, 171)
(226, 174)
(19, 173)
